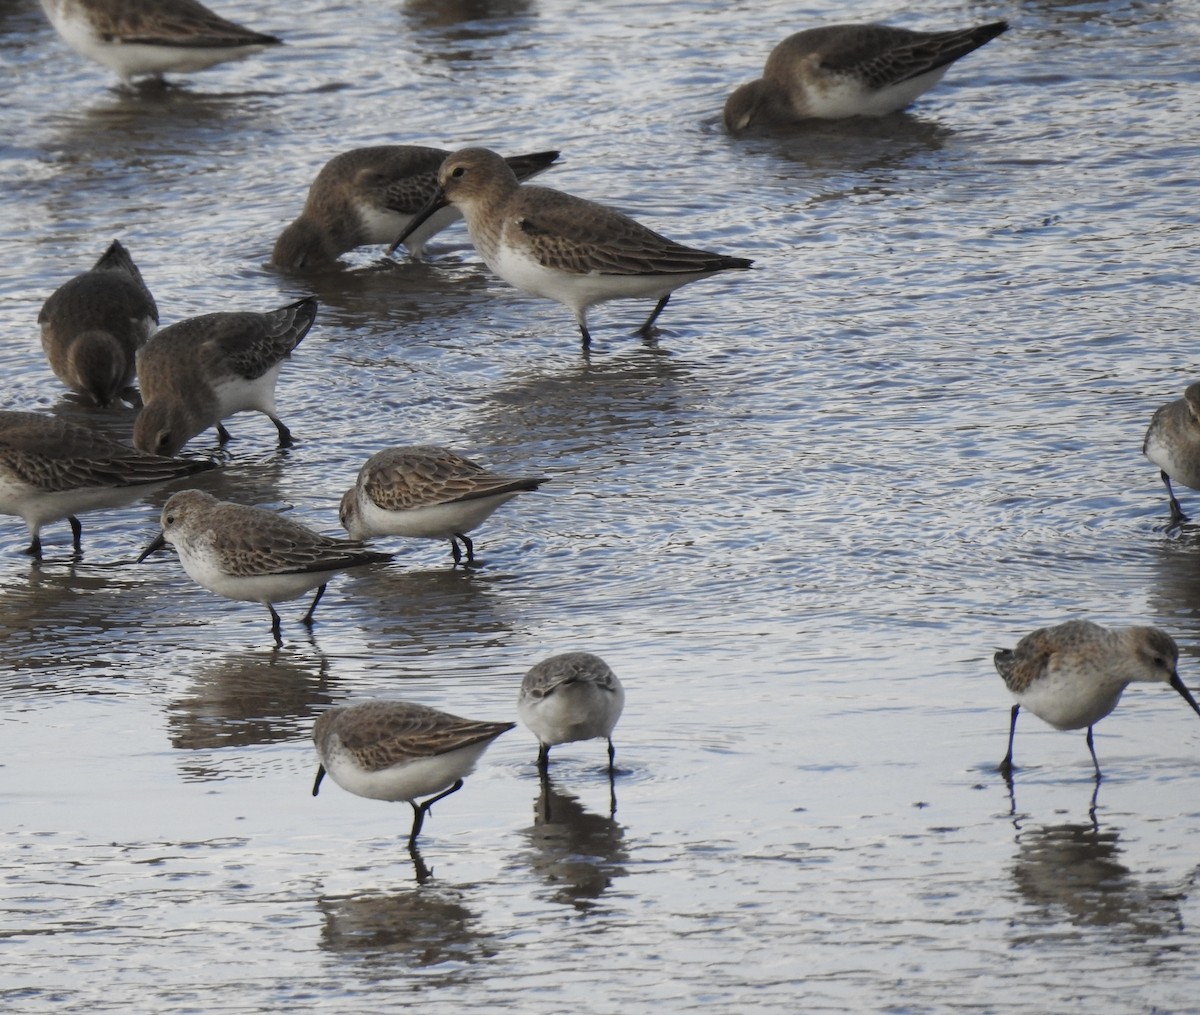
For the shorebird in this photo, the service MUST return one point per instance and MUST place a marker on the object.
(51, 469)
(204, 369)
(427, 492)
(1173, 444)
(398, 750)
(94, 324)
(839, 71)
(151, 37)
(569, 697)
(1072, 675)
(369, 196)
(252, 554)
(561, 247)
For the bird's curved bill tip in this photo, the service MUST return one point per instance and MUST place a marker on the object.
(1187, 695)
(159, 542)
(435, 203)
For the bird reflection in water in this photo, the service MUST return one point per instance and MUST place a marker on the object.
(1012, 797)
(421, 871)
(423, 928)
(467, 20)
(249, 697)
(1074, 872)
(577, 853)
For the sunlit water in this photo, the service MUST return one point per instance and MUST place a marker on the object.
(797, 527)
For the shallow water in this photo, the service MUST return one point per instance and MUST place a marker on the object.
(797, 527)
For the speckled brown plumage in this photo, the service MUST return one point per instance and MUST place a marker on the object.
(399, 479)
(836, 71)
(51, 469)
(54, 455)
(357, 192)
(398, 750)
(93, 325)
(572, 234)
(563, 247)
(245, 344)
(1081, 643)
(880, 55)
(252, 541)
(185, 23)
(380, 734)
(568, 697)
(189, 370)
(1173, 444)
(565, 669)
(254, 555)
(152, 37)
(1072, 675)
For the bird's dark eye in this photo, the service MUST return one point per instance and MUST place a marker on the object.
(169, 520)
(458, 172)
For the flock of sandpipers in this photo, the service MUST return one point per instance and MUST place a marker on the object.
(99, 332)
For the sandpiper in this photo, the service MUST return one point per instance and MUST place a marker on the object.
(839, 71)
(398, 750)
(204, 369)
(1072, 675)
(151, 37)
(93, 325)
(252, 554)
(568, 697)
(51, 469)
(561, 247)
(427, 492)
(1173, 444)
(368, 196)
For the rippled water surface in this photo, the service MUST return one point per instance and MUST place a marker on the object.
(797, 527)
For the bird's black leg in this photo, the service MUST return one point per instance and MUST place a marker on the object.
(468, 546)
(458, 784)
(1006, 766)
(1177, 515)
(420, 811)
(1092, 748)
(275, 626)
(543, 758)
(422, 872)
(35, 547)
(418, 821)
(455, 552)
(647, 329)
(544, 797)
(76, 535)
(222, 434)
(307, 619)
(612, 781)
(285, 435)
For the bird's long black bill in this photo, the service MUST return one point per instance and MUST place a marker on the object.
(434, 204)
(317, 780)
(159, 542)
(1187, 695)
